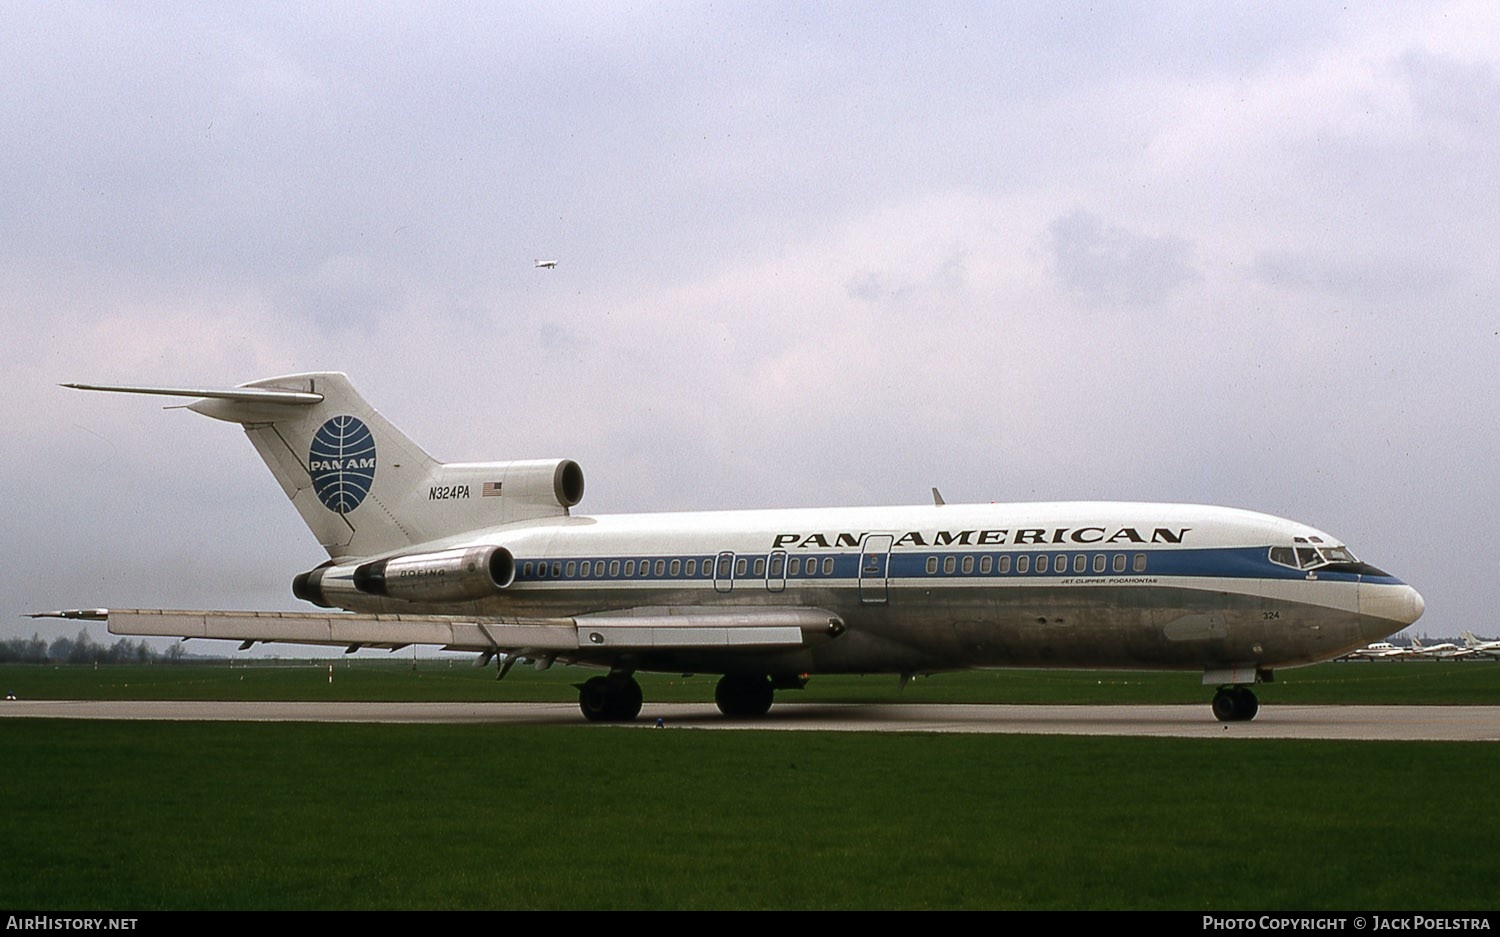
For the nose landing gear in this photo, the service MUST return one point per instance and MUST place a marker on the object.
(1235, 704)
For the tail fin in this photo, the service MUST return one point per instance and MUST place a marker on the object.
(360, 484)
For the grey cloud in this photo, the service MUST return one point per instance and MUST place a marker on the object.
(1461, 95)
(1367, 277)
(1107, 265)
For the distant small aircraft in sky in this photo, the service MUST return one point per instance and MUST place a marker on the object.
(546, 264)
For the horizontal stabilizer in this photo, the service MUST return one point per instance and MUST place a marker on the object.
(241, 394)
(585, 636)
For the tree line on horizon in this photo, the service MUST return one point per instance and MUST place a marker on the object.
(83, 649)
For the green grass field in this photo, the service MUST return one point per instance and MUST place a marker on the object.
(143, 816)
(1425, 682)
(211, 815)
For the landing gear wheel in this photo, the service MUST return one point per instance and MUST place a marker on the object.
(1235, 704)
(741, 696)
(616, 698)
(1248, 704)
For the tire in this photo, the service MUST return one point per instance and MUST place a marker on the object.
(741, 696)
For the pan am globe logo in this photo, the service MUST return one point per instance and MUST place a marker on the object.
(341, 461)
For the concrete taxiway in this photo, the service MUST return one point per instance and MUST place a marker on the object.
(1390, 723)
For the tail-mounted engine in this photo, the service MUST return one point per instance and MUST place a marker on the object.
(458, 575)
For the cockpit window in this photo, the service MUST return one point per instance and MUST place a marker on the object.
(1336, 557)
(1304, 557)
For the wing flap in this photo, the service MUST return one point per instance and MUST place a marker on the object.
(346, 630)
(676, 627)
(631, 629)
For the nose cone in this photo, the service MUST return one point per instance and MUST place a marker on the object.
(1389, 607)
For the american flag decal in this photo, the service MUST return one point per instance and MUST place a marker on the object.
(490, 490)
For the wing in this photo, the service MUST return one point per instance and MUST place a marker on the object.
(584, 637)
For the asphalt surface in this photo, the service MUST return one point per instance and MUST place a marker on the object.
(1406, 723)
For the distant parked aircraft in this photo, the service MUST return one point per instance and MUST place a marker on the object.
(1380, 650)
(1444, 651)
(1480, 647)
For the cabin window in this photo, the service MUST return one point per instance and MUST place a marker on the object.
(630, 567)
(1005, 563)
(691, 569)
(739, 566)
(1098, 562)
(1119, 563)
(556, 569)
(526, 570)
(723, 567)
(778, 563)
(760, 567)
(986, 563)
(1080, 563)
(614, 567)
(794, 566)
(948, 563)
(968, 565)
(828, 566)
(1023, 563)
(676, 567)
(932, 566)
(1139, 563)
(572, 568)
(1041, 563)
(661, 568)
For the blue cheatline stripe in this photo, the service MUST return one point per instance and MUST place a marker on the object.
(1224, 562)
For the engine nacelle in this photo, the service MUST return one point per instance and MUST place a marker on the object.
(445, 576)
(458, 575)
(544, 481)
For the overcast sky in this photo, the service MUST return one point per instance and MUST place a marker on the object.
(1239, 254)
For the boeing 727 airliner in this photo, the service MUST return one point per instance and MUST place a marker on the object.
(490, 557)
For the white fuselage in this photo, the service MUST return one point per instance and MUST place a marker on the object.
(1118, 585)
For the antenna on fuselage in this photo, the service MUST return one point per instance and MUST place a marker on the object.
(937, 497)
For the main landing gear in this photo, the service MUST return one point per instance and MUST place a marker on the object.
(615, 698)
(1235, 704)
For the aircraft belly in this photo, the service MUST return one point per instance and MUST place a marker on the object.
(1139, 627)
